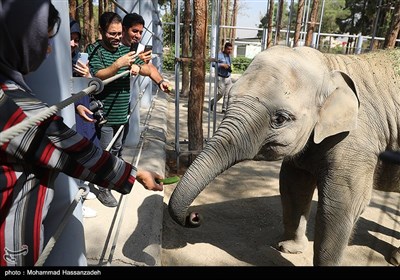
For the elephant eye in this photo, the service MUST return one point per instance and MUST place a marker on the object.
(281, 118)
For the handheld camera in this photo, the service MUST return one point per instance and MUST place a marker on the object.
(96, 106)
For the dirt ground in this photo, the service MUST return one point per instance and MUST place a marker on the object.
(242, 219)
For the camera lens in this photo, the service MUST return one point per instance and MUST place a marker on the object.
(96, 107)
(99, 116)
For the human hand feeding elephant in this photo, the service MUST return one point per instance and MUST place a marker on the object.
(328, 117)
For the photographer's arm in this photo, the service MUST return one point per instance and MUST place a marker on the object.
(124, 61)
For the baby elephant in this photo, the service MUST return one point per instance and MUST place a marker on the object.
(328, 117)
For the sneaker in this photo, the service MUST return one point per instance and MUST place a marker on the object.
(90, 196)
(105, 196)
(88, 212)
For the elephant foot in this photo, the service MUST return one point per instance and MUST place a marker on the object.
(395, 259)
(293, 246)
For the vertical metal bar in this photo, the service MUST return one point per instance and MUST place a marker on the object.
(216, 51)
(305, 20)
(177, 68)
(289, 23)
(213, 54)
(320, 24)
(371, 46)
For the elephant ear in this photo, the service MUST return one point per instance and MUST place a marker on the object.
(340, 109)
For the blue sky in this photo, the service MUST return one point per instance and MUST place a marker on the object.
(249, 15)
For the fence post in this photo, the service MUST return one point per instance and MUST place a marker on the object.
(360, 39)
(314, 40)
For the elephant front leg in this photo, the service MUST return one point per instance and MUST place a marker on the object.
(339, 207)
(297, 189)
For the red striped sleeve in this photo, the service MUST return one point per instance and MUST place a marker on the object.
(46, 154)
(17, 117)
(79, 146)
(125, 175)
(104, 158)
(78, 171)
(40, 205)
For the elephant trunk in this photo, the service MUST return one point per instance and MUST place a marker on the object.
(229, 145)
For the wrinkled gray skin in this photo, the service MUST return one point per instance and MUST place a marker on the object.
(328, 117)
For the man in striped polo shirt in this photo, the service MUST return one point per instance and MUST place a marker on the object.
(107, 57)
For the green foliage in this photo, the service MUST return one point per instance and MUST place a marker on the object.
(333, 10)
(168, 30)
(240, 64)
(169, 59)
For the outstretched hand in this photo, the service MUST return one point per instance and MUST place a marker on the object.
(166, 87)
(148, 180)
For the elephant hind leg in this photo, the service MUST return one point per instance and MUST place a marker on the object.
(395, 258)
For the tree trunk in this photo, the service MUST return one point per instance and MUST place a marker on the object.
(73, 13)
(312, 23)
(279, 22)
(299, 17)
(390, 40)
(227, 16)
(86, 22)
(197, 85)
(234, 20)
(92, 30)
(172, 5)
(186, 48)
(222, 32)
(270, 15)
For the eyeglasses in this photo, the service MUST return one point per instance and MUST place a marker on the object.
(114, 34)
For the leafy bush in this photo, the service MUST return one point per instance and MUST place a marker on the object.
(240, 64)
(169, 59)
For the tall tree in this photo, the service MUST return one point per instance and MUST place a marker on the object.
(270, 15)
(73, 5)
(393, 33)
(197, 85)
(222, 31)
(86, 22)
(234, 20)
(278, 26)
(312, 23)
(187, 18)
(92, 24)
(299, 22)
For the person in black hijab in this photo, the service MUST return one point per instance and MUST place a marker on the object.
(30, 162)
